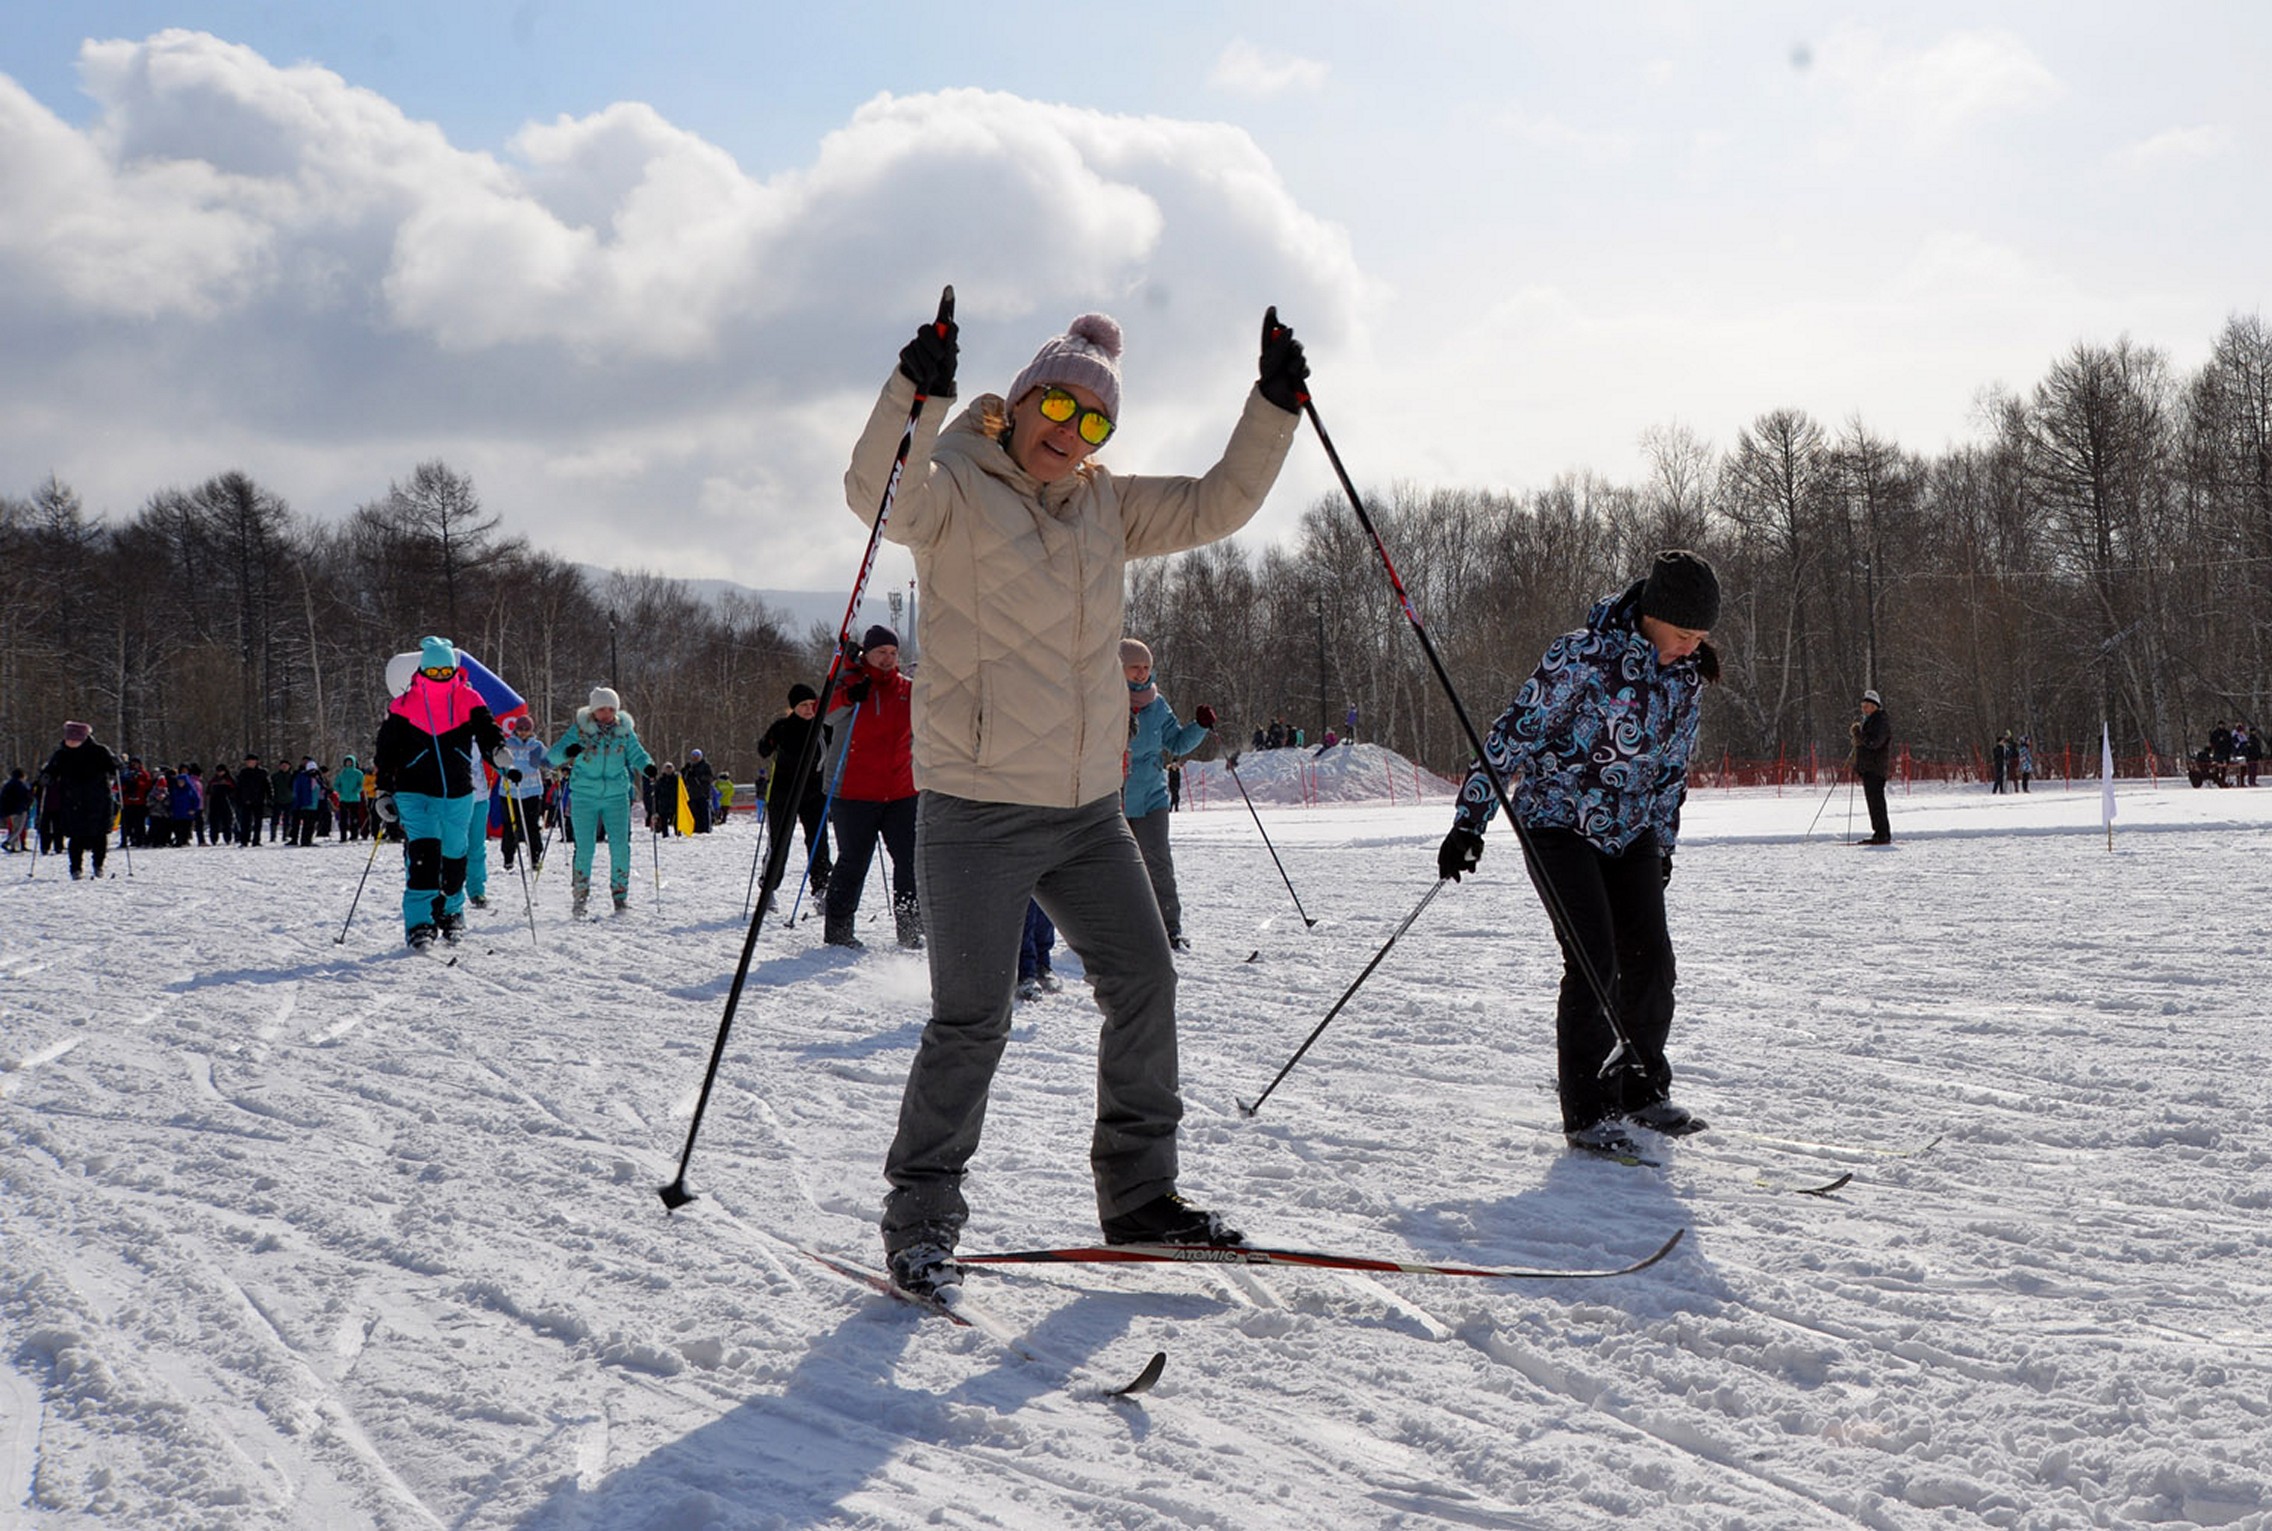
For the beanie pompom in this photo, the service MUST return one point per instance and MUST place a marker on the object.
(1099, 330)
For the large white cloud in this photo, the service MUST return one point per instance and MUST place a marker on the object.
(644, 353)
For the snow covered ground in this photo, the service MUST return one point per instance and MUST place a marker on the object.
(296, 1233)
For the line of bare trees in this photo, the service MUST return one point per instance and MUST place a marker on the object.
(217, 621)
(2103, 550)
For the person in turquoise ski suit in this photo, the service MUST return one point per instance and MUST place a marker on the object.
(601, 751)
(426, 766)
(1155, 733)
(477, 836)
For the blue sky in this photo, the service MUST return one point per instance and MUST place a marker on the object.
(640, 273)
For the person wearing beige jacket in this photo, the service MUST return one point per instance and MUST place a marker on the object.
(1021, 539)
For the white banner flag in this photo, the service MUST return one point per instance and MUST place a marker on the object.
(2106, 775)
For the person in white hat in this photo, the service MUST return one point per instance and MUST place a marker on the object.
(601, 751)
(1872, 734)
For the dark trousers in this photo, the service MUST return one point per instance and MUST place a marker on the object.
(521, 814)
(981, 865)
(82, 846)
(858, 826)
(1873, 793)
(781, 823)
(249, 821)
(1613, 911)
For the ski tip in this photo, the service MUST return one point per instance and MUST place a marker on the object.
(1666, 1248)
(1255, 955)
(1831, 1189)
(1145, 1378)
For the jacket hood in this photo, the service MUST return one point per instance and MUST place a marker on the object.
(965, 437)
(1618, 613)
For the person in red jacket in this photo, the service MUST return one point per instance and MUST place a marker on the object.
(875, 788)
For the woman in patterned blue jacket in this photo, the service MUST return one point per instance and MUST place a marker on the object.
(1595, 748)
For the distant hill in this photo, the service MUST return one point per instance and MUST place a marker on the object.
(800, 608)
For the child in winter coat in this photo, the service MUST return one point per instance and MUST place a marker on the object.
(1154, 734)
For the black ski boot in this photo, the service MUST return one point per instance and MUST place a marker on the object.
(420, 937)
(909, 918)
(925, 1270)
(1674, 1121)
(836, 930)
(452, 926)
(1169, 1219)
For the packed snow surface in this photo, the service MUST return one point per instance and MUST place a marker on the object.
(297, 1232)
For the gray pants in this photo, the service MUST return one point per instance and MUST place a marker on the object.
(1151, 832)
(976, 865)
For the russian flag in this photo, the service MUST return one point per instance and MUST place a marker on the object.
(504, 703)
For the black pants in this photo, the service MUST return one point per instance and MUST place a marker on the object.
(781, 825)
(1873, 793)
(1614, 911)
(94, 845)
(249, 821)
(858, 826)
(521, 823)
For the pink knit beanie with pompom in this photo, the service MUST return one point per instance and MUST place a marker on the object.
(1087, 356)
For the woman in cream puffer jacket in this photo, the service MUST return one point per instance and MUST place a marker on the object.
(1021, 541)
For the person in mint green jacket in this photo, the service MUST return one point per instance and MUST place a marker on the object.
(348, 783)
(601, 752)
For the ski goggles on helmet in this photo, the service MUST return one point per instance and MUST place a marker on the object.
(1094, 425)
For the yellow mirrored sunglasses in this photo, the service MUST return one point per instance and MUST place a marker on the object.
(1094, 425)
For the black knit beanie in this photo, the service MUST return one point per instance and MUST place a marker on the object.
(801, 692)
(1682, 590)
(878, 636)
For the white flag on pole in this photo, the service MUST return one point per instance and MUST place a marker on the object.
(2106, 775)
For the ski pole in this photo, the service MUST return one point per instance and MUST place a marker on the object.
(820, 835)
(1233, 764)
(1623, 1053)
(655, 848)
(1825, 803)
(764, 833)
(676, 1195)
(1319, 1030)
(521, 830)
(376, 841)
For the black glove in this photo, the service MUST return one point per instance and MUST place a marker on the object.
(1664, 866)
(856, 693)
(928, 361)
(572, 751)
(1461, 850)
(1203, 715)
(383, 806)
(648, 770)
(1284, 368)
(513, 773)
